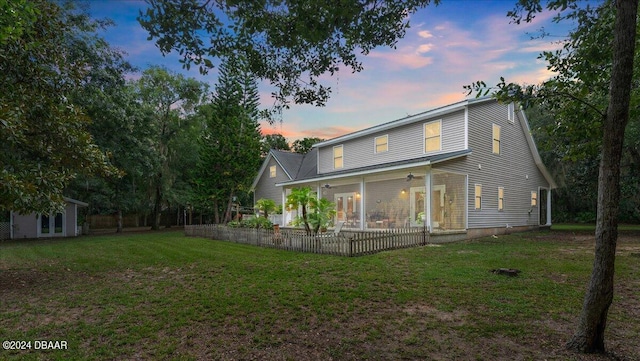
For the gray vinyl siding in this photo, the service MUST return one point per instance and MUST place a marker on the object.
(405, 142)
(266, 188)
(514, 169)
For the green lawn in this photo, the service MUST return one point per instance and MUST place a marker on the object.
(165, 296)
(591, 227)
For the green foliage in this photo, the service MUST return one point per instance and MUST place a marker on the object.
(46, 53)
(303, 146)
(168, 100)
(229, 154)
(273, 141)
(321, 214)
(266, 206)
(567, 112)
(254, 222)
(290, 44)
(316, 213)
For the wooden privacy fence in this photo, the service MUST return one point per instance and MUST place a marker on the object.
(347, 243)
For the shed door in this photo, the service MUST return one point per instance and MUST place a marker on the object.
(51, 226)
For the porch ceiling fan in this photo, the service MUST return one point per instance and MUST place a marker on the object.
(411, 177)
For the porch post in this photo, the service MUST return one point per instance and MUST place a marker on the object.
(427, 198)
(285, 211)
(548, 207)
(361, 215)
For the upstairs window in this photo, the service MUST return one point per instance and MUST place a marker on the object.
(338, 157)
(382, 144)
(272, 171)
(496, 139)
(433, 136)
(511, 112)
(478, 196)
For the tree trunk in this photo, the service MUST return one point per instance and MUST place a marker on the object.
(167, 221)
(589, 337)
(216, 212)
(157, 209)
(119, 221)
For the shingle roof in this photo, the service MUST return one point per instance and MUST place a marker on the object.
(346, 172)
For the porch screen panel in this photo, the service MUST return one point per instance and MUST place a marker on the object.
(448, 201)
(387, 203)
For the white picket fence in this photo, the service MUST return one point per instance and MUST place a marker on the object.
(347, 243)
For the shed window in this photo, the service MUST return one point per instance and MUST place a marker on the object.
(338, 157)
(478, 193)
(500, 198)
(534, 199)
(382, 144)
(433, 136)
(272, 171)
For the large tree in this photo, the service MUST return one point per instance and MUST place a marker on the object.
(288, 43)
(169, 99)
(44, 142)
(304, 145)
(273, 141)
(230, 142)
(595, 72)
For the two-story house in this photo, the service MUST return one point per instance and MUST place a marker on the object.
(467, 169)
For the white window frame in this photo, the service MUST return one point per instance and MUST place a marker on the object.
(338, 157)
(500, 199)
(511, 112)
(496, 134)
(376, 145)
(272, 171)
(425, 139)
(477, 198)
(534, 199)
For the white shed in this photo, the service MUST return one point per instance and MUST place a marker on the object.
(34, 225)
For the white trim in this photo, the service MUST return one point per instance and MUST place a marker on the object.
(368, 171)
(495, 126)
(475, 191)
(534, 151)
(427, 199)
(421, 117)
(375, 144)
(511, 113)
(424, 137)
(341, 146)
(466, 128)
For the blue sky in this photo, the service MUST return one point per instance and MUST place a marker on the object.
(447, 47)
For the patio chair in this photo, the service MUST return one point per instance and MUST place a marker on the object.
(338, 228)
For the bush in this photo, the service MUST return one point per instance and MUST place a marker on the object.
(257, 222)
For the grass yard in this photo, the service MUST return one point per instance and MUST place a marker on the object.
(158, 296)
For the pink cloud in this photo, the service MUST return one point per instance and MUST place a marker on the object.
(401, 59)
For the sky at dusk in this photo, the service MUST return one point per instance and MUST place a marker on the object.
(446, 47)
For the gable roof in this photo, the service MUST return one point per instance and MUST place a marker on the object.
(301, 168)
(294, 165)
(534, 151)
